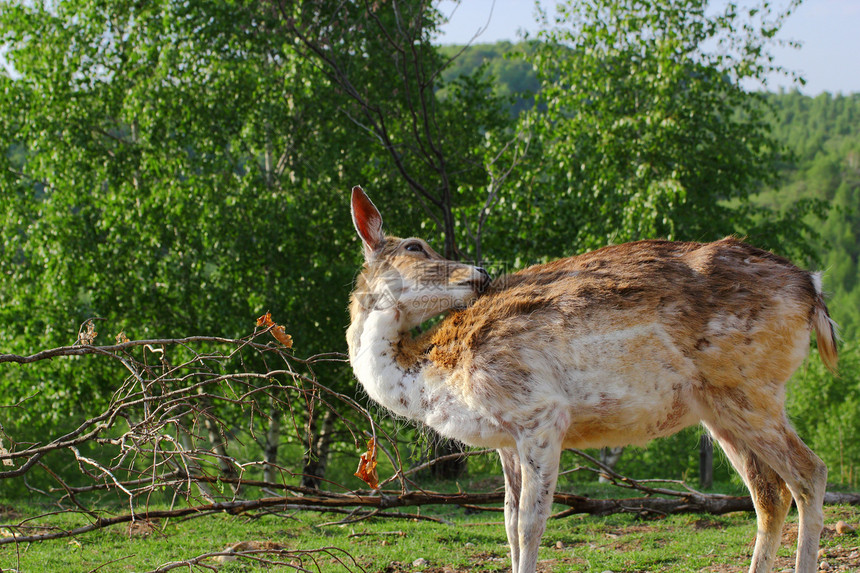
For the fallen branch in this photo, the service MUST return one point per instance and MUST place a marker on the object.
(685, 502)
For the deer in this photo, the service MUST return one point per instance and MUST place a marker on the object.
(617, 346)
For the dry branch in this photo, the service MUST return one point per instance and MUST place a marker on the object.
(293, 559)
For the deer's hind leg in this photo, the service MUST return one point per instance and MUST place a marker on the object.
(771, 498)
(776, 466)
(513, 487)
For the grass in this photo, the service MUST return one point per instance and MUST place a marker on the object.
(472, 542)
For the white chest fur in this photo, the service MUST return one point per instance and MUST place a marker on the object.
(372, 353)
(421, 393)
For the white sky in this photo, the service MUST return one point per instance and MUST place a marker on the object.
(829, 31)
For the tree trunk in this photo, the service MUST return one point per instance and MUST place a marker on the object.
(273, 438)
(609, 457)
(218, 441)
(449, 469)
(706, 461)
(190, 464)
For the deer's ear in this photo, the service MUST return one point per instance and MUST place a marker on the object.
(367, 221)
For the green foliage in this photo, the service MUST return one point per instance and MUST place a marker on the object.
(168, 175)
(648, 128)
(179, 168)
(824, 409)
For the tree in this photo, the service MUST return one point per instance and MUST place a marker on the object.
(169, 177)
(382, 59)
(647, 127)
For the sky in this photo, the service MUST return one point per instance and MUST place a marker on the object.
(829, 31)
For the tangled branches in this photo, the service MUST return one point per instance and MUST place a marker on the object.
(186, 428)
(168, 422)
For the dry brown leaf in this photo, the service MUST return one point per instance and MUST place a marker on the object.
(281, 335)
(244, 546)
(87, 338)
(121, 338)
(367, 465)
(277, 331)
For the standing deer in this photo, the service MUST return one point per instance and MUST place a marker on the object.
(614, 347)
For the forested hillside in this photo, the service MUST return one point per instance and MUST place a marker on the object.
(824, 134)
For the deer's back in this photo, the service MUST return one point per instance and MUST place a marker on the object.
(676, 319)
(721, 287)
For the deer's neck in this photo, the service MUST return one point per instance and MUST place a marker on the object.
(378, 354)
(401, 374)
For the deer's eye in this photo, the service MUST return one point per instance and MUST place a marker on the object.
(414, 248)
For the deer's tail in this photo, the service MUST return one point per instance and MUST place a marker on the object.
(825, 329)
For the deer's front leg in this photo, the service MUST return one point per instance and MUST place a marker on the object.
(539, 460)
(513, 482)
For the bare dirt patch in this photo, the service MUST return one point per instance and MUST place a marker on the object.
(8, 513)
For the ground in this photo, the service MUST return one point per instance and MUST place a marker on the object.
(469, 542)
(840, 551)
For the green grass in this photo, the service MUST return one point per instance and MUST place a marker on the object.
(473, 542)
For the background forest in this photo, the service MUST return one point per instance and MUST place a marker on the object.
(180, 168)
